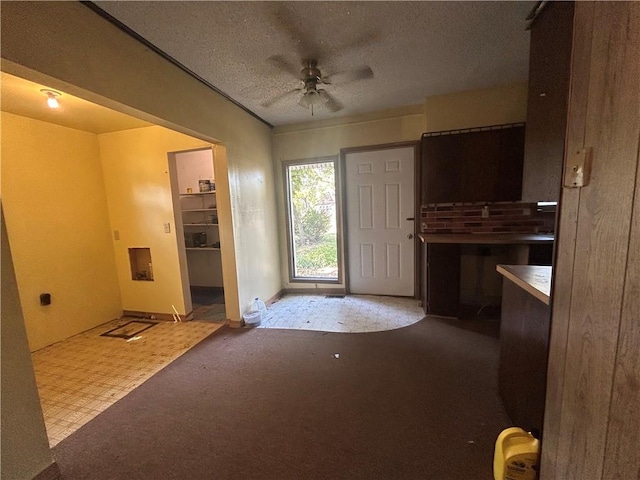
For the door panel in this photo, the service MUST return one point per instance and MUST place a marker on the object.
(379, 199)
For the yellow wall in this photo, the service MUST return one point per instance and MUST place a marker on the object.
(71, 48)
(476, 108)
(327, 138)
(138, 186)
(58, 223)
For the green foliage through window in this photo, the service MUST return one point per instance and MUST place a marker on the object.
(312, 207)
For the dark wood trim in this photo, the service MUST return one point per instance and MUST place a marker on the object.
(488, 128)
(382, 146)
(52, 472)
(417, 212)
(132, 33)
(417, 204)
(345, 222)
(274, 298)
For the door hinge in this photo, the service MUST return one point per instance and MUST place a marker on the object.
(577, 170)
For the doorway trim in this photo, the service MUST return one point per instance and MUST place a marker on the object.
(225, 229)
(416, 214)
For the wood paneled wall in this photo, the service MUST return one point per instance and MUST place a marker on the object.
(592, 419)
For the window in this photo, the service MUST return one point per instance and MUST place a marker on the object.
(312, 220)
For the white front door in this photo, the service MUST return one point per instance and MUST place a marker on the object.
(379, 199)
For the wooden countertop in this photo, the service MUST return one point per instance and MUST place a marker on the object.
(534, 279)
(486, 238)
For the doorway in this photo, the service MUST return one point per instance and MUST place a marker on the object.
(197, 228)
(380, 220)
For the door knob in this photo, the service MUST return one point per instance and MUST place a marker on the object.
(410, 236)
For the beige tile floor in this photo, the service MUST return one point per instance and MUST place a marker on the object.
(80, 377)
(351, 314)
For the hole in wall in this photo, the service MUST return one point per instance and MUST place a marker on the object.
(141, 266)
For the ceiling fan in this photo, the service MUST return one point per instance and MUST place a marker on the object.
(311, 91)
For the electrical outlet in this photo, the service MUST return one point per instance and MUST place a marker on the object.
(167, 228)
(45, 299)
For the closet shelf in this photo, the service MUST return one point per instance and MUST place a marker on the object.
(199, 224)
(212, 192)
(202, 248)
(200, 210)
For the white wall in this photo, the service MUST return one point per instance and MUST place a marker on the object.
(193, 166)
(205, 266)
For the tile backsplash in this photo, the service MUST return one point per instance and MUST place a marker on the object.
(503, 217)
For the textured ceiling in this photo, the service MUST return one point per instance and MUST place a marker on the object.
(415, 49)
(22, 97)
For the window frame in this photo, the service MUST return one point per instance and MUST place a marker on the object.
(289, 224)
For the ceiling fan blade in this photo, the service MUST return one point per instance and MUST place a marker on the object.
(329, 101)
(364, 40)
(281, 63)
(280, 97)
(305, 47)
(363, 73)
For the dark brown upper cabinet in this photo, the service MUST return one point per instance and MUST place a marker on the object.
(549, 68)
(473, 166)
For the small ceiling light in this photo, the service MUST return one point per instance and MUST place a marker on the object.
(52, 99)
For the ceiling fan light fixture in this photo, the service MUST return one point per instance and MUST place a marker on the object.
(310, 98)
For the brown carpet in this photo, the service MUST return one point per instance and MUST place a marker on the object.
(416, 403)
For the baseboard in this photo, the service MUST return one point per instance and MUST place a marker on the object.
(314, 291)
(235, 323)
(276, 297)
(52, 472)
(157, 316)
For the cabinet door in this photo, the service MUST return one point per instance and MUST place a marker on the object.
(480, 160)
(483, 166)
(442, 169)
(549, 63)
(508, 179)
(443, 279)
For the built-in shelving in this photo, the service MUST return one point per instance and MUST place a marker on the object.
(200, 221)
(211, 192)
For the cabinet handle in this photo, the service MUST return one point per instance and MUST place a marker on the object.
(410, 219)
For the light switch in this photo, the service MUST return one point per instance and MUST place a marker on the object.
(167, 228)
(116, 234)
